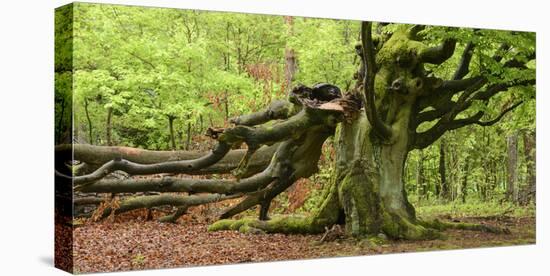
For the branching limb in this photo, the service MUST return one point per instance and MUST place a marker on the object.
(263, 197)
(242, 168)
(172, 184)
(424, 139)
(278, 109)
(458, 85)
(381, 128)
(475, 119)
(294, 126)
(463, 67)
(414, 32)
(99, 155)
(132, 168)
(438, 54)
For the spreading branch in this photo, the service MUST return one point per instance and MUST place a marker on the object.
(96, 156)
(426, 138)
(475, 119)
(173, 184)
(463, 67)
(438, 54)
(276, 110)
(132, 168)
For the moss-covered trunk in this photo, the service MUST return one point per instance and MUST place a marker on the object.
(371, 191)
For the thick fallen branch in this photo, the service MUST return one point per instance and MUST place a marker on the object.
(132, 168)
(172, 184)
(165, 199)
(99, 155)
(262, 197)
(90, 200)
(277, 110)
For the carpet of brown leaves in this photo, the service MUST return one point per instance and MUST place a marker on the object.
(128, 244)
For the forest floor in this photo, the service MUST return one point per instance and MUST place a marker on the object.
(129, 242)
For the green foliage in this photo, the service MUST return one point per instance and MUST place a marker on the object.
(147, 65)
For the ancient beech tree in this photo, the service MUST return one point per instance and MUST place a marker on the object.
(375, 125)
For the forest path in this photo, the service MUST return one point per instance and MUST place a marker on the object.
(129, 245)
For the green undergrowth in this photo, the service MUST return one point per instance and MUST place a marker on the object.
(475, 209)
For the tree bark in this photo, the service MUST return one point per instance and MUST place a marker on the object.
(290, 58)
(420, 178)
(189, 134)
(90, 126)
(442, 172)
(171, 128)
(108, 126)
(226, 105)
(529, 143)
(98, 155)
(464, 186)
(512, 165)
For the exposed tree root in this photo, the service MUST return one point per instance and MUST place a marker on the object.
(442, 225)
(399, 227)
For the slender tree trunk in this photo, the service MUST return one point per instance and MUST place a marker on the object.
(420, 178)
(437, 185)
(483, 186)
(201, 123)
(290, 58)
(442, 171)
(189, 134)
(226, 105)
(90, 126)
(210, 119)
(108, 127)
(529, 142)
(512, 173)
(464, 186)
(172, 136)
